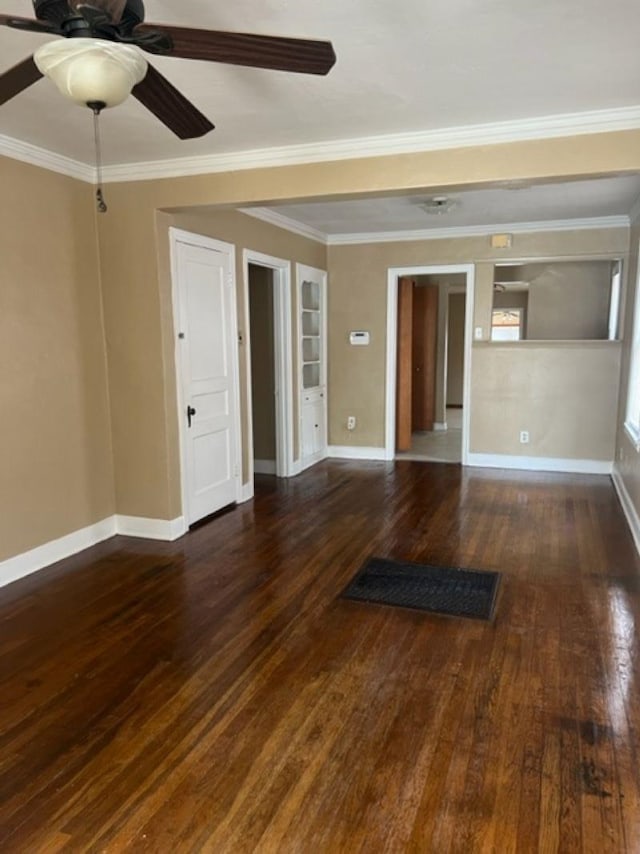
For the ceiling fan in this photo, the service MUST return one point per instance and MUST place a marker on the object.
(108, 33)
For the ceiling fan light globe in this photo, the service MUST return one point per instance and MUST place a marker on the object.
(90, 70)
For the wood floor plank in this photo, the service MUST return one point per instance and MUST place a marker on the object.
(216, 694)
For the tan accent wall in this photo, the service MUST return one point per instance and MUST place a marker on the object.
(564, 395)
(137, 307)
(57, 474)
(263, 386)
(569, 301)
(627, 458)
(55, 431)
(141, 342)
(455, 349)
(358, 300)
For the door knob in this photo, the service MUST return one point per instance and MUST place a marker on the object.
(190, 413)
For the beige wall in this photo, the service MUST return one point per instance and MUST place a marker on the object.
(455, 349)
(568, 301)
(263, 385)
(140, 338)
(55, 435)
(57, 474)
(357, 299)
(136, 288)
(564, 395)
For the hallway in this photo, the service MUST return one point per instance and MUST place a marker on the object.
(441, 446)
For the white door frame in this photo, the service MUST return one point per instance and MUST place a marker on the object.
(282, 357)
(177, 235)
(393, 274)
(304, 273)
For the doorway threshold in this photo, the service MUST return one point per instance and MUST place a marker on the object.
(424, 458)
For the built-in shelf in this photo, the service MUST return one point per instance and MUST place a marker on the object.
(311, 314)
(311, 375)
(313, 403)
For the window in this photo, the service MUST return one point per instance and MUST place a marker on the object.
(560, 300)
(632, 422)
(506, 324)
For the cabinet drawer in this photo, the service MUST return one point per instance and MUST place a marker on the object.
(313, 395)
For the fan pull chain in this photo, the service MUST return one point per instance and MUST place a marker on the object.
(100, 202)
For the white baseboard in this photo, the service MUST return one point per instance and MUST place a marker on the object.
(356, 452)
(29, 562)
(440, 425)
(246, 492)
(264, 466)
(167, 530)
(296, 468)
(308, 462)
(507, 461)
(630, 512)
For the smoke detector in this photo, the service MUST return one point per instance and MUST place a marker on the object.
(438, 205)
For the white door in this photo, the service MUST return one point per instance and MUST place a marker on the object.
(205, 303)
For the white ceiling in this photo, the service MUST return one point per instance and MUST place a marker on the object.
(603, 197)
(403, 66)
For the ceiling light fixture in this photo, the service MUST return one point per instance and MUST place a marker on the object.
(438, 205)
(89, 71)
(93, 73)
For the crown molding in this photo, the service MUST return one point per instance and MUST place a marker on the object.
(479, 230)
(36, 156)
(277, 219)
(44, 159)
(296, 227)
(545, 127)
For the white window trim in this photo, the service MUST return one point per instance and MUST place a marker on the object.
(614, 307)
(632, 418)
(633, 433)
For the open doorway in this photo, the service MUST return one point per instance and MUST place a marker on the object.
(267, 323)
(428, 356)
(263, 371)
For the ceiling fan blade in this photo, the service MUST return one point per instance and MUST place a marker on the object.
(17, 79)
(29, 24)
(284, 54)
(113, 9)
(170, 106)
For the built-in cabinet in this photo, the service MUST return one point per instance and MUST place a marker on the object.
(312, 285)
(313, 432)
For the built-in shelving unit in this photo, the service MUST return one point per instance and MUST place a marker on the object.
(313, 409)
(311, 308)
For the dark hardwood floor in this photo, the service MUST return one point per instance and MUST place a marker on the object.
(216, 695)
